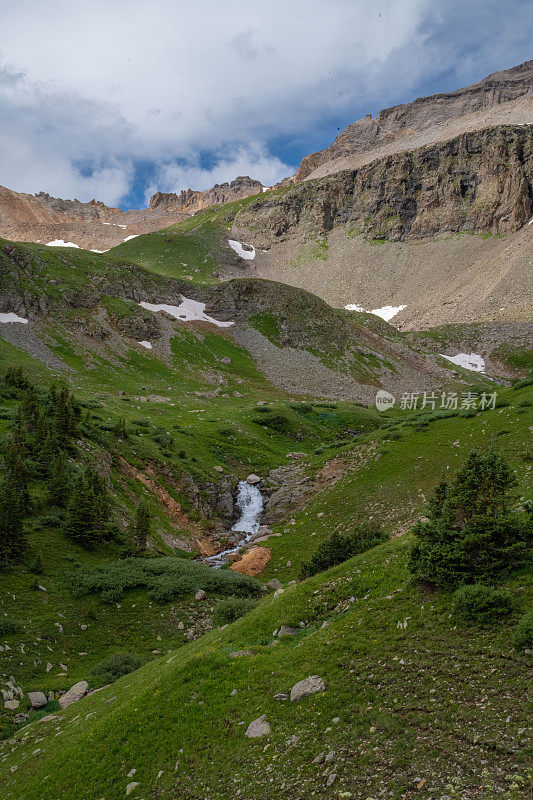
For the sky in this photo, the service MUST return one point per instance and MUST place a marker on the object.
(116, 99)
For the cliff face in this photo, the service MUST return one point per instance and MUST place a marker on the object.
(508, 93)
(477, 182)
(192, 200)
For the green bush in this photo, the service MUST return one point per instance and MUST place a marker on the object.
(471, 534)
(523, 636)
(8, 625)
(165, 578)
(339, 547)
(114, 667)
(232, 608)
(483, 604)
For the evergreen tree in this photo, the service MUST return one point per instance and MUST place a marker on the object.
(12, 538)
(141, 530)
(58, 487)
(470, 534)
(88, 510)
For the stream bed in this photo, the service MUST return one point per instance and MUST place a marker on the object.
(250, 504)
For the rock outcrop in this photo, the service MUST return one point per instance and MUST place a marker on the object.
(191, 200)
(478, 182)
(503, 97)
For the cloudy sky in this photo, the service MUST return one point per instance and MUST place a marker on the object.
(115, 99)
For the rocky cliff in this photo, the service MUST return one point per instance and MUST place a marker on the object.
(503, 97)
(478, 182)
(192, 200)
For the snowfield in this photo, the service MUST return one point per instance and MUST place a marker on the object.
(385, 312)
(133, 236)
(473, 362)
(146, 344)
(248, 255)
(61, 243)
(187, 311)
(11, 317)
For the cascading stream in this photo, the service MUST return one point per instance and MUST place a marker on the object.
(250, 504)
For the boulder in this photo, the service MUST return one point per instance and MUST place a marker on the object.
(259, 727)
(37, 699)
(288, 630)
(200, 595)
(11, 705)
(74, 694)
(253, 479)
(307, 687)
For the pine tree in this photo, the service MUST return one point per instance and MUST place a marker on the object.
(12, 538)
(141, 530)
(470, 534)
(88, 510)
(58, 487)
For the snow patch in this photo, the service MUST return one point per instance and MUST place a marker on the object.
(267, 188)
(187, 311)
(385, 312)
(101, 251)
(11, 317)
(133, 236)
(248, 255)
(61, 243)
(146, 344)
(473, 362)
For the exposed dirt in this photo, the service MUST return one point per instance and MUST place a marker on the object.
(252, 562)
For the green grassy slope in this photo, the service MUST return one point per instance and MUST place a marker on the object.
(412, 697)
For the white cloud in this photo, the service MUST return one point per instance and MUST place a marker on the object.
(90, 90)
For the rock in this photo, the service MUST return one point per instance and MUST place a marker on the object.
(7, 694)
(330, 756)
(48, 666)
(253, 479)
(181, 625)
(11, 705)
(288, 630)
(19, 718)
(281, 696)
(131, 786)
(131, 773)
(295, 455)
(259, 727)
(37, 699)
(307, 687)
(274, 584)
(218, 469)
(74, 694)
(319, 758)
(331, 779)
(200, 595)
(278, 592)
(83, 627)
(225, 360)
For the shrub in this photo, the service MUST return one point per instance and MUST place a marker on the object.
(523, 636)
(232, 608)
(165, 578)
(8, 625)
(471, 535)
(114, 667)
(339, 547)
(483, 604)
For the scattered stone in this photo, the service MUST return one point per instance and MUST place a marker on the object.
(278, 592)
(131, 773)
(331, 779)
(218, 469)
(74, 694)
(19, 718)
(37, 699)
(42, 589)
(48, 666)
(200, 595)
(281, 696)
(131, 786)
(181, 626)
(11, 705)
(253, 479)
(259, 727)
(319, 758)
(83, 627)
(296, 455)
(307, 687)
(329, 758)
(287, 630)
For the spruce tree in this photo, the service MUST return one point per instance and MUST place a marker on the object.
(12, 538)
(88, 510)
(141, 532)
(58, 487)
(471, 534)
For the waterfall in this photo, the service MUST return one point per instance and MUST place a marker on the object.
(250, 504)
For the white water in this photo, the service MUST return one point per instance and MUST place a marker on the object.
(250, 504)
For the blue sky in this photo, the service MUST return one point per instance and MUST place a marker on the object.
(116, 100)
